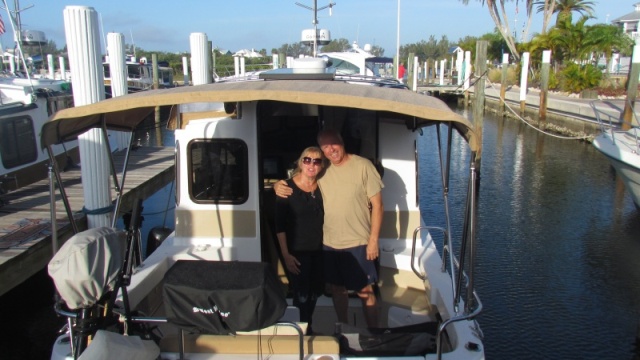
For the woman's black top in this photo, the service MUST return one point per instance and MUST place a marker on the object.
(300, 216)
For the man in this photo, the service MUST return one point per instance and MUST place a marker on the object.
(351, 189)
(401, 72)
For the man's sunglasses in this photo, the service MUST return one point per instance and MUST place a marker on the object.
(307, 160)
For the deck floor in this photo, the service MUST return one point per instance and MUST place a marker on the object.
(25, 217)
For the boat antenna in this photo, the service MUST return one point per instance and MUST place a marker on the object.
(133, 44)
(315, 20)
(16, 26)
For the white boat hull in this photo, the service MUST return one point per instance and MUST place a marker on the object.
(623, 151)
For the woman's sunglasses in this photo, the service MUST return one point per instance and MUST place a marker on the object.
(307, 160)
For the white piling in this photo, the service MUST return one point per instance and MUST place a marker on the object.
(118, 71)
(117, 64)
(615, 60)
(63, 68)
(200, 58)
(414, 82)
(185, 71)
(242, 66)
(524, 75)
(274, 59)
(52, 70)
(467, 70)
(442, 71)
(459, 60)
(236, 66)
(83, 44)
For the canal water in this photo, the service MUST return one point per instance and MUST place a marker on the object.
(558, 247)
(557, 262)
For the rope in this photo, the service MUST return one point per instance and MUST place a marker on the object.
(100, 211)
(582, 137)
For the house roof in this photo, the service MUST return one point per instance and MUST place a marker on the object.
(454, 49)
(630, 17)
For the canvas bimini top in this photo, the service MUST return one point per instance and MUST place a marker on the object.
(127, 112)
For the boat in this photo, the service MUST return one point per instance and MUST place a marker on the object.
(226, 163)
(26, 103)
(360, 61)
(140, 74)
(619, 141)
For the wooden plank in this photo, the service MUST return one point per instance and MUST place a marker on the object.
(150, 169)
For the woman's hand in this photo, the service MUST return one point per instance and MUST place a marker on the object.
(292, 264)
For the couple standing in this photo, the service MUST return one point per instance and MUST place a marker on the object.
(343, 219)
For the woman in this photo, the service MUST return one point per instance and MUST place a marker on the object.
(299, 220)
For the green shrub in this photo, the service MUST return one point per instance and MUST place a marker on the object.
(495, 75)
(575, 78)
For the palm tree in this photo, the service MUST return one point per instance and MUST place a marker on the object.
(565, 8)
(607, 39)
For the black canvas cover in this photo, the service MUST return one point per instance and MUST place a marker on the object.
(214, 297)
(410, 340)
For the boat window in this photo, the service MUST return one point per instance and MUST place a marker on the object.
(18, 141)
(344, 67)
(219, 171)
(107, 71)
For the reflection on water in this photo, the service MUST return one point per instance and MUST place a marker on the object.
(559, 240)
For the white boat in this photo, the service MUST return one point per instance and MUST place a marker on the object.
(359, 61)
(26, 103)
(226, 163)
(620, 143)
(140, 75)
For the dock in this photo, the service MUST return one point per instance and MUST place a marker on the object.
(25, 217)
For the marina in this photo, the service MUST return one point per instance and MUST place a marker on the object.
(214, 285)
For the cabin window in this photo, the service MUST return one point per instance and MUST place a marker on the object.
(219, 171)
(18, 142)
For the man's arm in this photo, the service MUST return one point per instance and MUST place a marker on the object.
(377, 210)
(282, 189)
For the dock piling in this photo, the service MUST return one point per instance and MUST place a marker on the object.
(544, 85)
(632, 89)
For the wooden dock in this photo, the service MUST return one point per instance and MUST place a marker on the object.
(25, 226)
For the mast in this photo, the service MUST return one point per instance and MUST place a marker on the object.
(315, 20)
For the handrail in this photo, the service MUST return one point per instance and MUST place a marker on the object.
(454, 261)
(618, 126)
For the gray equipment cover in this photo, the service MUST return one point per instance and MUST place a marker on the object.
(87, 265)
(108, 345)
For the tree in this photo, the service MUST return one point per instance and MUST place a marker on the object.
(377, 50)
(500, 18)
(565, 8)
(605, 40)
(337, 45)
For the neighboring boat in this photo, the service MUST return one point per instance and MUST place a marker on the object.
(620, 142)
(226, 163)
(359, 61)
(26, 103)
(140, 75)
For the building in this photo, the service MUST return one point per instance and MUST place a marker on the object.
(629, 22)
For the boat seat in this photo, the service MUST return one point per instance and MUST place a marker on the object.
(250, 344)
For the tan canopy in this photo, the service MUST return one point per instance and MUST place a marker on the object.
(126, 112)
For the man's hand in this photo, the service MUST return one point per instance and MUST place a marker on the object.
(372, 250)
(282, 189)
(292, 264)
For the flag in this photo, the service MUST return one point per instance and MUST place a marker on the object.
(2, 31)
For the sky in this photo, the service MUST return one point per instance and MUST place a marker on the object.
(165, 25)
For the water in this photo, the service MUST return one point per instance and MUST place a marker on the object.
(559, 240)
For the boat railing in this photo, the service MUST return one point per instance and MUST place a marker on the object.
(452, 268)
(612, 124)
